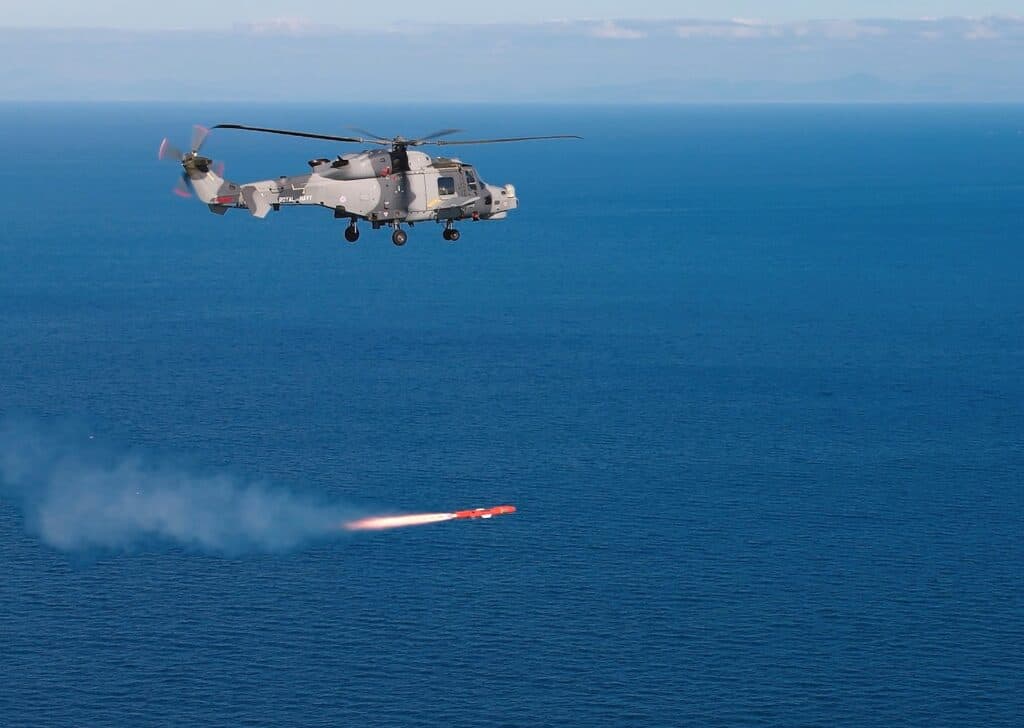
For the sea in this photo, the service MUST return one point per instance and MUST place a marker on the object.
(751, 375)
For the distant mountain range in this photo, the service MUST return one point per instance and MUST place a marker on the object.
(948, 59)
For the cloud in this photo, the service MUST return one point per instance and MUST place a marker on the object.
(737, 29)
(288, 26)
(716, 30)
(982, 31)
(849, 29)
(743, 29)
(613, 31)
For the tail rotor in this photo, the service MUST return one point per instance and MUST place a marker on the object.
(191, 162)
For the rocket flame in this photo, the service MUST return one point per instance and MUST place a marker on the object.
(386, 522)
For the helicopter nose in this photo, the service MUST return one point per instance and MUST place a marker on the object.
(500, 200)
(505, 199)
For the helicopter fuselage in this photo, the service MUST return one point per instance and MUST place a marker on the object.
(383, 187)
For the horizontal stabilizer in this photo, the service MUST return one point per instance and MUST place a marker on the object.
(256, 200)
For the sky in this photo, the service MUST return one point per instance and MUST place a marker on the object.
(700, 53)
(132, 14)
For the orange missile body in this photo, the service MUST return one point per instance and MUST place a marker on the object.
(485, 512)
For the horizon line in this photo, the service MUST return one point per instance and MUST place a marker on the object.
(283, 23)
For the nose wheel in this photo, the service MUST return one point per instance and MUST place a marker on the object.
(399, 237)
(352, 233)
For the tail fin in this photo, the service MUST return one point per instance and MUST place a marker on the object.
(208, 184)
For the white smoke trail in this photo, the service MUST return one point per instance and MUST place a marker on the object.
(77, 499)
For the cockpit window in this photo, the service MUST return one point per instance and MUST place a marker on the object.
(446, 186)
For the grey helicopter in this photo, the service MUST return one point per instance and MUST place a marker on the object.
(389, 185)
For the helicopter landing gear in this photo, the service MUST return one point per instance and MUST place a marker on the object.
(450, 233)
(399, 237)
(352, 233)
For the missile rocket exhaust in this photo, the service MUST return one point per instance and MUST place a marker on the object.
(383, 523)
(386, 522)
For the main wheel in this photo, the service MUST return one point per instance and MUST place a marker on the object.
(447, 234)
(352, 234)
(453, 235)
(399, 237)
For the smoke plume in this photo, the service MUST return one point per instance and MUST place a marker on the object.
(75, 498)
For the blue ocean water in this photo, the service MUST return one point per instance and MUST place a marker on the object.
(752, 376)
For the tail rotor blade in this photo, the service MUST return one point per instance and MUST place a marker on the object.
(199, 134)
(169, 151)
(184, 187)
(218, 168)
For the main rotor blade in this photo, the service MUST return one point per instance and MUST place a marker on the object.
(444, 143)
(371, 135)
(402, 141)
(199, 134)
(436, 134)
(305, 134)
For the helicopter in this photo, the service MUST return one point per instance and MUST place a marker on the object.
(389, 185)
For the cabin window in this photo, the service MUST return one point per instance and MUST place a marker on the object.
(445, 186)
(471, 180)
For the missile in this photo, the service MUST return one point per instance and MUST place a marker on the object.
(485, 512)
(381, 523)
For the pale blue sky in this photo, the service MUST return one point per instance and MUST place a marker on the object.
(207, 14)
